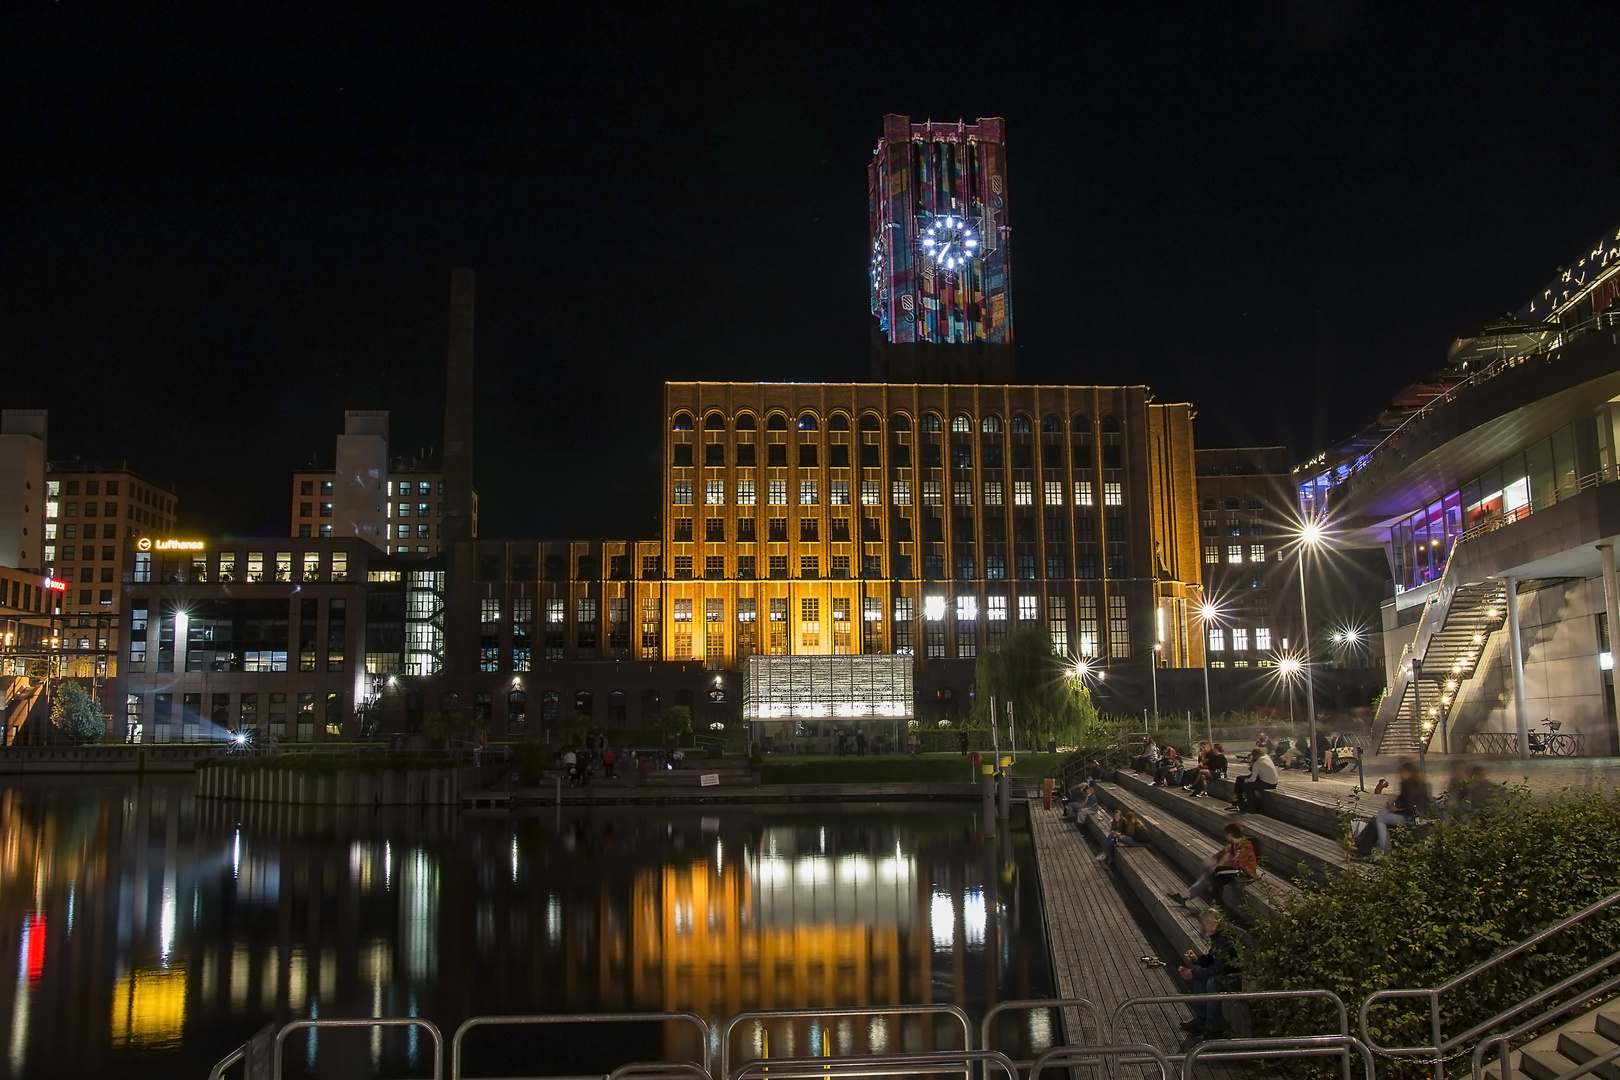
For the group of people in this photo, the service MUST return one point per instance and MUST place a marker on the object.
(1170, 769)
(596, 757)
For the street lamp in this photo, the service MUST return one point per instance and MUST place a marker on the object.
(1312, 536)
(1153, 661)
(1208, 614)
(1288, 669)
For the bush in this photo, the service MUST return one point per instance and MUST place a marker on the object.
(76, 712)
(1434, 908)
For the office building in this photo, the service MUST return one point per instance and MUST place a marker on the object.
(394, 503)
(1489, 488)
(24, 442)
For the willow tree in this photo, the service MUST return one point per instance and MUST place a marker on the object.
(1049, 702)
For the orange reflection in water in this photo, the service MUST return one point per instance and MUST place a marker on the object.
(149, 1009)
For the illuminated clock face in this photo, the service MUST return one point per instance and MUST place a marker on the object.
(950, 242)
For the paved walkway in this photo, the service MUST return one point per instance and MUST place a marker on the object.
(1544, 776)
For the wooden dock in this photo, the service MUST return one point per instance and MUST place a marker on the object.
(1097, 944)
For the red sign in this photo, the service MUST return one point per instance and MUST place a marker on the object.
(59, 586)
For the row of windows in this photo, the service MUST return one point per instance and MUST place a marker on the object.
(267, 711)
(964, 567)
(1234, 554)
(961, 423)
(57, 488)
(810, 629)
(932, 525)
(932, 493)
(745, 454)
(55, 510)
(224, 566)
(1241, 637)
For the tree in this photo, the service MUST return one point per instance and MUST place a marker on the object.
(443, 724)
(77, 713)
(1049, 702)
(676, 721)
(575, 726)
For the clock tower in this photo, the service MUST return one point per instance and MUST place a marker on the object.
(941, 261)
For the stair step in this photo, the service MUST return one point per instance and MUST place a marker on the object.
(1545, 1064)
(1606, 1022)
(1583, 1046)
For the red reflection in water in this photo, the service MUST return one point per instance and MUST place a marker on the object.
(33, 947)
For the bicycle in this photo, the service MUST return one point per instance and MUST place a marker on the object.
(1552, 744)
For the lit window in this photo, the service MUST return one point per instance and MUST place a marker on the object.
(1086, 618)
(1234, 553)
(962, 492)
(901, 490)
(683, 493)
(1054, 493)
(1257, 553)
(995, 608)
(1240, 639)
(776, 492)
(1028, 608)
(745, 493)
(1119, 628)
(714, 492)
(326, 511)
(809, 493)
(683, 610)
(992, 493)
(933, 608)
(1082, 493)
(1057, 623)
(838, 493)
(1262, 637)
(404, 510)
(1212, 553)
(1217, 639)
(932, 495)
(967, 607)
(1113, 495)
(402, 532)
(1023, 493)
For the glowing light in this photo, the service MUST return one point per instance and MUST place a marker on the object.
(1208, 612)
(942, 921)
(149, 1008)
(975, 918)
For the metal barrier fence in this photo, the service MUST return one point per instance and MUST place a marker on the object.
(817, 1014)
(1099, 1020)
(1282, 1044)
(1286, 1049)
(1107, 1054)
(915, 1064)
(400, 1021)
(551, 1019)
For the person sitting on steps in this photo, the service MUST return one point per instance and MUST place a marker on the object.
(1411, 801)
(1262, 777)
(1234, 862)
(1169, 771)
(1126, 829)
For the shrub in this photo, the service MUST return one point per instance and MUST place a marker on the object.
(77, 713)
(1433, 908)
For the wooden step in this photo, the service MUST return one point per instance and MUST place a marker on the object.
(1286, 850)
(1187, 848)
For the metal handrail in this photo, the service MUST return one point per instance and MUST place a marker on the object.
(655, 1070)
(374, 1022)
(218, 1071)
(1287, 1047)
(1098, 1019)
(863, 1010)
(1590, 1067)
(1443, 1046)
(911, 1064)
(1503, 1041)
(1072, 1055)
(1239, 995)
(544, 1019)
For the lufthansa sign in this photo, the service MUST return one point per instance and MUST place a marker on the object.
(146, 543)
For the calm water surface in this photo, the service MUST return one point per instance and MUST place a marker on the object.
(151, 931)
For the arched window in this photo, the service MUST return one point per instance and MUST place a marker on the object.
(550, 709)
(517, 711)
(683, 421)
(649, 708)
(991, 425)
(1209, 504)
(838, 422)
(1020, 424)
(962, 424)
(1110, 425)
(745, 422)
(714, 422)
(930, 422)
(807, 422)
(582, 702)
(1081, 426)
(871, 422)
(776, 422)
(1231, 503)
(1051, 425)
(899, 422)
(616, 708)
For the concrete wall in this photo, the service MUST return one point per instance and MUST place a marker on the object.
(1562, 677)
(22, 488)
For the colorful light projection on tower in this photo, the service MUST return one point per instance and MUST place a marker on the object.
(937, 202)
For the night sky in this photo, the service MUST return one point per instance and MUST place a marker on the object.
(219, 230)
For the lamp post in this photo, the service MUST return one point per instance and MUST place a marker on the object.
(1288, 669)
(1311, 538)
(1153, 660)
(1208, 614)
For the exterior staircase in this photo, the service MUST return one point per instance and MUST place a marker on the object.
(1456, 624)
(1592, 1035)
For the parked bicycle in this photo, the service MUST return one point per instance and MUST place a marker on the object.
(1553, 744)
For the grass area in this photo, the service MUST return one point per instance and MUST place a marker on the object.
(890, 768)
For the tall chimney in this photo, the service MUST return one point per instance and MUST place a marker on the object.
(459, 522)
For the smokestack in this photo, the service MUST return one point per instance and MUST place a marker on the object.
(458, 412)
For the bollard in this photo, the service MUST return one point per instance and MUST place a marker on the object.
(1046, 792)
(1004, 796)
(987, 783)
